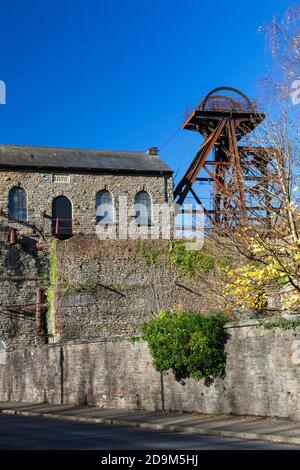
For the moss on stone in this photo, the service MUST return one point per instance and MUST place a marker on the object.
(50, 292)
(188, 263)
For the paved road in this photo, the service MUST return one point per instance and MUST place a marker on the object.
(19, 432)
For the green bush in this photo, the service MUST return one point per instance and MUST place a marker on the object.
(189, 344)
(283, 323)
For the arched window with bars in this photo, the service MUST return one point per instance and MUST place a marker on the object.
(17, 204)
(142, 206)
(104, 207)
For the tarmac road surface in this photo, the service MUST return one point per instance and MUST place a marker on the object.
(33, 433)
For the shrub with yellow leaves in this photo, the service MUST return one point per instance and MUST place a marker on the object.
(274, 269)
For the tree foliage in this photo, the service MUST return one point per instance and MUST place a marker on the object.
(269, 266)
(189, 344)
(196, 263)
(283, 42)
(268, 241)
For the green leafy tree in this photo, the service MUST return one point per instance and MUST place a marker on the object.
(189, 344)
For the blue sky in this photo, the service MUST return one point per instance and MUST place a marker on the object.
(121, 74)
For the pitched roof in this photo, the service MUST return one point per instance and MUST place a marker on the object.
(69, 159)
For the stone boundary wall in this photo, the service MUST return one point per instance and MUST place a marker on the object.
(262, 376)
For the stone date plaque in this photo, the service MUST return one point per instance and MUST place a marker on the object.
(61, 179)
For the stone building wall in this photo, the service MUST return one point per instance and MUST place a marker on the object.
(81, 189)
(103, 288)
(22, 269)
(30, 264)
(262, 376)
(109, 289)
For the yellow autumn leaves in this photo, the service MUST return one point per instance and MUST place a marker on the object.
(275, 270)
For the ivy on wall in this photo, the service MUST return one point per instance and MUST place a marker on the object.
(194, 263)
(188, 263)
(52, 282)
(282, 323)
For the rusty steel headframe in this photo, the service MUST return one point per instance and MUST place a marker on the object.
(223, 117)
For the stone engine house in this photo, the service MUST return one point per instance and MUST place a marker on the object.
(58, 280)
(59, 191)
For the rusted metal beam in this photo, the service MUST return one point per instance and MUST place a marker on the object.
(12, 236)
(191, 174)
(38, 311)
(223, 189)
(20, 278)
(29, 316)
(198, 200)
(237, 166)
(32, 304)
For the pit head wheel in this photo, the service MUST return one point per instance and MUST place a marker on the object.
(227, 99)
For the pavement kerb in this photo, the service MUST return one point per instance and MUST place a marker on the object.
(283, 439)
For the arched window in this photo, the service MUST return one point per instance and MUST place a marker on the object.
(62, 217)
(104, 207)
(142, 206)
(2, 353)
(17, 204)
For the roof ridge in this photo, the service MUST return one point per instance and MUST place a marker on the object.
(88, 159)
(71, 148)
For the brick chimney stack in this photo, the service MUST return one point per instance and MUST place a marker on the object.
(152, 152)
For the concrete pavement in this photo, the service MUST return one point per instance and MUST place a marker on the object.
(254, 428)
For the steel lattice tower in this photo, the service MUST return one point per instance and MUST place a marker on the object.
(223, 118)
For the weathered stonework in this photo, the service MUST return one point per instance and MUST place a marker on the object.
(109, 289)
(24, 266)
(82, 189)
(261, 376)
(22, 269)
(103, 289)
